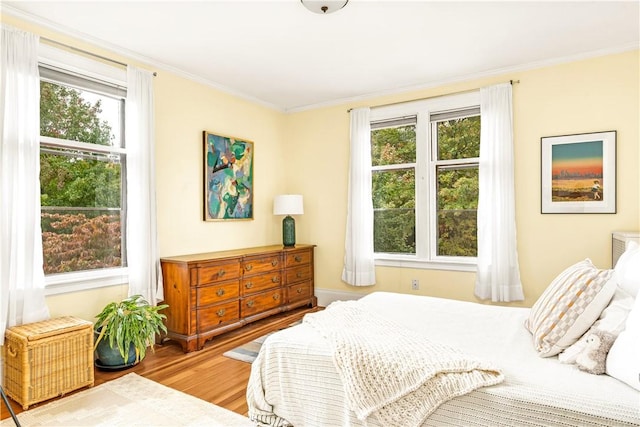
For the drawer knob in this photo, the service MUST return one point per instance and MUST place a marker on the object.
(250, 303)
(248, 267)
(275, 279)
(276, 297)
(221, 312)
(299, 274)
(248, 285)
(220, 292)
(274, 262)
(299, 290)
(297, 258)
(221, 272)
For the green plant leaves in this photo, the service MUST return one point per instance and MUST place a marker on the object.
(131, 321)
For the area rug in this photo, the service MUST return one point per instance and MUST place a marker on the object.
(130, 400)
(249, 351)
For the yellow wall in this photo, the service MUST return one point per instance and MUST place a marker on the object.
(184, 109)
(307, 153)
(592, 95)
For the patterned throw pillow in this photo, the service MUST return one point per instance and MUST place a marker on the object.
(569, 306)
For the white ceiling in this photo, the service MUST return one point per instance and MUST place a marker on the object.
(279, 54)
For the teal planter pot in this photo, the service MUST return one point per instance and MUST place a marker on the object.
(110, 358)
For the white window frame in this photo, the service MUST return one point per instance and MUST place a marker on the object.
(425, 186)
(85, 67)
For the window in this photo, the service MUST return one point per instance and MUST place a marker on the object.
(82, 179)
(425, 158)
(393, 185)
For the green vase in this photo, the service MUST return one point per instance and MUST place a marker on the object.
(288, 231)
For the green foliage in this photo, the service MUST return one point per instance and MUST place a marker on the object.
(395, 145)
(459, 138)
(457, 207)
(78, 181)
(394, 231)
(393, 191)
(394, 211)
(130, 321)
(65, 114)
(69, 178)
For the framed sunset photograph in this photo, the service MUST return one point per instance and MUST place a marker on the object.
(578, 173)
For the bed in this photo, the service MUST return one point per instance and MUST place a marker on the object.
(294, 380)
(387, 359)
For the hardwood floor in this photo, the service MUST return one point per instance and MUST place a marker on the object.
(206, 374)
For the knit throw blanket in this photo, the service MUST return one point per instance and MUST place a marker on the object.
(392, 373)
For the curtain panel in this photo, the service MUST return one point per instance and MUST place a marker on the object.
(359, 264)
(22, 279)
(498, 274)
(145, 274)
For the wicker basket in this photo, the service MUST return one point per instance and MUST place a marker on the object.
(47, 359)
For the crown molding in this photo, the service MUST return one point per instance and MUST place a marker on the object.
(120, 51)
(469, 77)
(9, 10)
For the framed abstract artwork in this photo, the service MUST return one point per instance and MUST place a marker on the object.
(579, 173)
(228, 177)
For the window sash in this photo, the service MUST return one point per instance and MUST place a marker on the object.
(92, 82)
(437, 165)
(52, 74)
(48, 141)
(426, 113)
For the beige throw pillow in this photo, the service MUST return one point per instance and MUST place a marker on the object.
(611, 320)
(569, 306)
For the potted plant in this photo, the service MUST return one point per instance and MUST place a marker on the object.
(125, 329)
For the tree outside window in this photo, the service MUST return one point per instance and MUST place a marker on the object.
(81, 179)
(425, 166)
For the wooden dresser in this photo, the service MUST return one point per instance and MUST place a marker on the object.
(211, 293)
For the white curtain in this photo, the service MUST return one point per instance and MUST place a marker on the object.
(21, 264)
(145, 275)
(359, 265)
(498, 275)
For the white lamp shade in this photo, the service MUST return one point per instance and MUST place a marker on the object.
(288, 204)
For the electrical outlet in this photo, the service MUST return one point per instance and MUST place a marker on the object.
(415, 284)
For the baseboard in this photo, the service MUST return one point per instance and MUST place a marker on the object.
(327, 296)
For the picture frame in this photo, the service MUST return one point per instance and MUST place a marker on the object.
(228, 177)
(578, 173)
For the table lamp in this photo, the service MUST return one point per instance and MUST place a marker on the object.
(288, 204)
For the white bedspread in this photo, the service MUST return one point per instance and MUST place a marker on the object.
(294, 380)
(391, 372)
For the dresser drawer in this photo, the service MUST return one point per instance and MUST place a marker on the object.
(298, 292)
(261, 264)
(212, 316)
(258, 303)
(218, 272)
(214, 294)
(298, 274)
(297, 258)
(253, 284)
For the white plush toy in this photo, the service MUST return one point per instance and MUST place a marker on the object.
(594, 355)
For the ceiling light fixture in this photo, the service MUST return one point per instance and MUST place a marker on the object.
(324, 6)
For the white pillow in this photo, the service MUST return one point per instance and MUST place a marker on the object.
(628, 269)
(612, 320)
(623, 360)
(569, 306)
